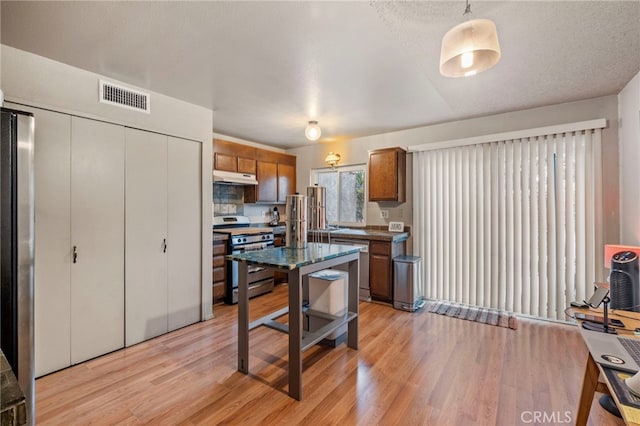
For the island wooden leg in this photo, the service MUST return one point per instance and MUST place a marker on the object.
(243, 318)
(352, 306)
(295, 334)
(589, 385)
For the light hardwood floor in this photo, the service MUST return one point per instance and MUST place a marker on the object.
(418, 368)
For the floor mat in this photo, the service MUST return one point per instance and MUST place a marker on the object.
(473, 313)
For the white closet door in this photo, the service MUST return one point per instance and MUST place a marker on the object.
(52, 313)
(146, 234)
(184, 232)
(97, 233)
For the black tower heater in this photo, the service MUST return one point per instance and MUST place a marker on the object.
(625, 281)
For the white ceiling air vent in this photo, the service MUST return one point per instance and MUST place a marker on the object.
(114, 94)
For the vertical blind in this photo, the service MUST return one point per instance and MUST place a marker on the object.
(512, 224)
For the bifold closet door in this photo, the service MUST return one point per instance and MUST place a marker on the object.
(52, 301)
(146, 235)
(185, 230)
(97, 238)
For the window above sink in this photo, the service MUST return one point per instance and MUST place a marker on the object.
(346, 189)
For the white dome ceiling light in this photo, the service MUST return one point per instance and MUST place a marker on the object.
(313, 131)
(469, 48)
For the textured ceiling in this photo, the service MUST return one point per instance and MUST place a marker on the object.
(359, 68)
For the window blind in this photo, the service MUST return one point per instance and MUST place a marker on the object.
(511, 224)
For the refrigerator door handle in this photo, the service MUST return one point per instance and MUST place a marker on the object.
(75, 254)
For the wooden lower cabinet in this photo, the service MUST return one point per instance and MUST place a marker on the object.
(381, 254)
(219, 270)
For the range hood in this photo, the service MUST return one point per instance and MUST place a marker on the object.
(233, 178)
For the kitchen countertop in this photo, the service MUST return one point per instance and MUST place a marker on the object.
(279, 230)
(288, 258)
(365, 234)
(220, 237)
(12, 401)
(351, 233)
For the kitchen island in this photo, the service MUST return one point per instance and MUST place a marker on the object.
(298, 263)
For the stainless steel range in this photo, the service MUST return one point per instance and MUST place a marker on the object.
(244, 238)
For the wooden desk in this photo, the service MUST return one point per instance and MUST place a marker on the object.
(298, 263)
(593, 372)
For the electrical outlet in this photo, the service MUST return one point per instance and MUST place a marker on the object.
(384, 214)
(396, 226)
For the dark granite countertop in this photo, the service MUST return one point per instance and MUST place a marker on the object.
(288, 258)
(12, 401)
(365, 234)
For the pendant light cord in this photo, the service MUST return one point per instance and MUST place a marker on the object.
(467, 10)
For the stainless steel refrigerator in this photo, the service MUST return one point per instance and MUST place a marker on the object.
(17, 248)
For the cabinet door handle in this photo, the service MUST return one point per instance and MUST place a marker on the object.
(75, 254)
(164, 245)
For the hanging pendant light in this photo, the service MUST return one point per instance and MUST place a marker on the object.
(313, 132)
(469, 48)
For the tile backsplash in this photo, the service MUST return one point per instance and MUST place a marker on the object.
(228, 199)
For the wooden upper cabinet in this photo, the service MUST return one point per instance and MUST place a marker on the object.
(246, 165)
(225, 162)
(234, 157)
(387, 175)
(231, 163)
(286, 181)
(267, 188)
(275, 172)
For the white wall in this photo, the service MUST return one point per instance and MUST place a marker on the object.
(44, 83)
(36, 81)
(356, 150)
(629, 112)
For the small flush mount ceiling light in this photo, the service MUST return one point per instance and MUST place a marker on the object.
(332, 159)
(469, 48)
(313, 132)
